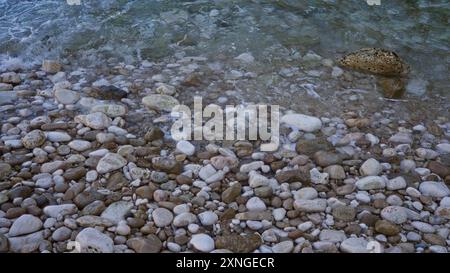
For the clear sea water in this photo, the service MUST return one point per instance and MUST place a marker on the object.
(134, 30)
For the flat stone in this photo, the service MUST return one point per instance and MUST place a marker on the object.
(434, 239)
(151, 244)
(302, 122)
(80, 145)
(4, 244)
(58, 136)
(74, 173)
(307, 193)
(354, 245)
(335, 172)
(117, 181)
(443, 148)
(160, 102)
(91, 240)
(50, 167)
(97, 120)
(397, 183)
(439, 169)
(110, 162)
(26, 244)
(443, 212)
(255, 204)
(370, 183)
(423, 227)
(239, 243)
(184, 219)
(66, 96)
(257, 180)
(386, 228)
(167, 164)
(61, 234)
(206, 172)
(315, 205)
(33, 139)
(5, 87)
(325, 159)
(86, 197)
(117, 211)
(111, 110)
(283, 247)
(186, 147)
(231, 193)
(208, 218)
(334, 236)
(279, 214)
(317, 177)
(344, 213)
(55, 210)
(107, 92)
(5, 170)
(394, 214)
(25, 224)
(94, 208)
(434, 189)
(10, 77)
(254, 216)
(93, 221)
(401, 138)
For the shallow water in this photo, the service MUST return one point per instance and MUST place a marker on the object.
(276, 33)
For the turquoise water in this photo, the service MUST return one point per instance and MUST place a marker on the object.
(130, 31)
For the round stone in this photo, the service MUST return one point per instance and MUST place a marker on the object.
(279, 214)
(184, 219)
(370, 167)
(394, 214)
(202, 242)
(208, 218)
(315, 205)
(283, 247)
(162, 217)
(255, 204)
(160, 102)
(79, 145)
(33, 139)
(61, 234)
